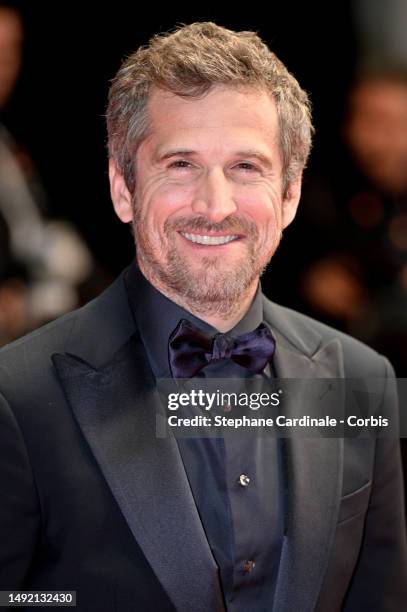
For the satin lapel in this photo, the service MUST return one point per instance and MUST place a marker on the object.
(313, 482)
(115, 407)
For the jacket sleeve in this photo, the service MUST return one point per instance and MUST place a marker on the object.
(380, 580)
(19, 508)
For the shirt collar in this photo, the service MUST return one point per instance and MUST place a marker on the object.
(157, 316)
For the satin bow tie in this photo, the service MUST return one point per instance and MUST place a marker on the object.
(191, 349)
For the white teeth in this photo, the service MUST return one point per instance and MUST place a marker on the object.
(211, 240)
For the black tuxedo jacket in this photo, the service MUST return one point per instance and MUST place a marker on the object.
(92, 501)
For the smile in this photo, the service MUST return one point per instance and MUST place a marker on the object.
(208, 240)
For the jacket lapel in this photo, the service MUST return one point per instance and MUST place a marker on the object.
(313, 470)
(115, 405)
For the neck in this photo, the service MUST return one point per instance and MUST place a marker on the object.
(217, 316)
(226, 322)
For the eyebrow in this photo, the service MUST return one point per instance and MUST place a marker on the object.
(247, 153)
(175, 153)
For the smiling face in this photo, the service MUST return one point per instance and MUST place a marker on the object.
(207, 210)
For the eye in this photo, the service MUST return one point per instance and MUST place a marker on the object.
(180, 163)
(246, 167)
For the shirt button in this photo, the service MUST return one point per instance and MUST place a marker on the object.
(244, 480)
(248, 567)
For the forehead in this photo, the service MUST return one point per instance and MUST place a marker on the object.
(224, 111)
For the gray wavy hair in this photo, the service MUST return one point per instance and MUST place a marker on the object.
(189, 62)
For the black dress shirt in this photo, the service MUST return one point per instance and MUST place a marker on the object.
(236, 481)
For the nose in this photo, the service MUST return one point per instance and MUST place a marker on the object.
(214, 198)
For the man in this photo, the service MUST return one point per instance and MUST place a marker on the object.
(208, 137)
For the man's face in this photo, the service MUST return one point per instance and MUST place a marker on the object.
(207, 210)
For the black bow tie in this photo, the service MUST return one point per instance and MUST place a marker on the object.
(190, 349)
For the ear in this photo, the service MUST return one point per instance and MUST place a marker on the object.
(120, 195)
(291, 201)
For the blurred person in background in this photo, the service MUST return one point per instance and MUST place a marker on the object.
(352, 225)
(360, 281)
(44, 263)
(354, 214)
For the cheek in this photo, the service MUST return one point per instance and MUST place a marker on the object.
(262, 206)
(158, 203)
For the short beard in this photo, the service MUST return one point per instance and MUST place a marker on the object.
(214, 291)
